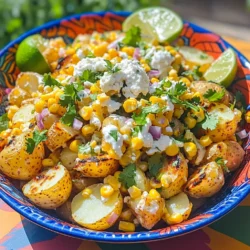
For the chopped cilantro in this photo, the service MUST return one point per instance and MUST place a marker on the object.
(4, 122)
(48, 80)
(186, 104)
(90, 76)
(127, 176)
(132, 36)
(111, 68)
(93, 97)
(86, 149)
(221, 162)
(136, 130)
(69, 116)
(38, 137)
(166, 84)
(210, 122)
(213, 95)
(90, 54)
(155, 163)
(195, 73)
(114, 134)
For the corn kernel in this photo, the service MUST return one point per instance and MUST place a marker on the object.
(58, 95)
(174, 219)
(172, 150)
(112, 154)
(86, 193)
(10, 124)
(178, 112)
(205, 140)
(173, 73)
(88, 129)
(39, 106)
(16, 131)
(128, 50)
(4, 134)
(157, 100)
(190, 149)
(126, 226)
(51, 101)
(161, 121)
(103, 98)
(126, 215)
(54, 108)
(101, 49)
(74, 145)
(13, 109)
(143, 166)
(146, 67)
(95, 89)
(47, 96)
(47, 162)
(117, 174)
(247, 116)
(10, 114)
(173, 52)
(81, 156)
(186, 81)
(61, 110)
(168, 48)
(113, 53)
(177, 59)
(153, 80)
(199, 114)
(106, 191)
(112, 181)
(47, 89)
(93, 144)
(154, 194)
(151, 117)
(86, 113)
(136, 143)
(125, 130)
(143, 102)
(155, 183)
(190, 122)
(130, 105)
(180, 42)
(134, 192)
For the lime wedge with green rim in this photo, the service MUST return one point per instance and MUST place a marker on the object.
(223, 69)
(29, 55)
(156, 23)
(195, 55)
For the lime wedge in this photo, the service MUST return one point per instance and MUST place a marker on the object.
(29, 55)
(195, 55)
(156, 23)
(223, 69)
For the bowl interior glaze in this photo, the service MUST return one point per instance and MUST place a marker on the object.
(237, 185)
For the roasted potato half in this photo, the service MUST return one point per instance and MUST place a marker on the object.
(58, 135)
(29, 81)
(93, 212)
(97, 166)
(177, 209)
(16, 162)
(50, 189)
(25, 114)
(173, 175)
(205, 181)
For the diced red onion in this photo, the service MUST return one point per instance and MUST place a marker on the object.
(242, 134)
(8, 90)
(155, 131)
(39, 121)
(112, 218)
(44, 113)
(153, 73)
(77, 124)
(114, 44)
(136, 54)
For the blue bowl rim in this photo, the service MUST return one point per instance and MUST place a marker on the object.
(136, 237)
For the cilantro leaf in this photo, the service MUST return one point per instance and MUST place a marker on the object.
(114, 134)
(179, 89)
(185, 103)
(69, 116)
(136, 130)
(111, 68)
(132, 36)
(155, 163)
(38, 137)
(213, 95)
(86, 149)
(4, 122)
(127, 176)
(195, 73)
(221, 162)
(90, 76)
(90, 54)
(210, 122)
(48, 80)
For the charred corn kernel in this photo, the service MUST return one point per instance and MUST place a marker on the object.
(112, 181)
(157, 100)
(103, 98)
(106, 191)
(173, 52)
(126, 215)
(51, 101)
(169, 48)
(134, 192)
(177, 59)
(205, 140)
(113, 53)
(247, 116)
(47, 162)
(178, 112)
(190, 122)
(61, 111)
(172, 150)
(153, 80)
(74, 145)
(16, 131)
(95, 89)
(101, 49)
(161, 121)
(54, 108)
(154, 194)
(97, 107)
(126, 226)
(185, 80)
(136, 143)
(155, 183)
(86, 193)
(146, 67)
(86, 113)
(117, 174)
(174, 219)
(151, 117)
(39, 106)
(130, 105)
(93, 144)
(143, 166)
(88, 129)
(128, 50)
(190, 149)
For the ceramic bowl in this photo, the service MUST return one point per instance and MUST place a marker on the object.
(237, 186)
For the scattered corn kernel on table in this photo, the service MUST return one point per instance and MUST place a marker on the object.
(229, 233)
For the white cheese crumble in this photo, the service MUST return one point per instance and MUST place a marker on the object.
(115, 144)
(160, 145)
(95, 120)
(145, 135)
(96, 64)
(170, 105)
(131, 79)
(80, 54)
(110, 104)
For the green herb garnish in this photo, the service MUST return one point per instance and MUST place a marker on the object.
(38, 137)
(127, 176)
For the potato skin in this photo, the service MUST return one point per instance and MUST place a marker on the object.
(54, 196)
(97, 166)
(177, 169)
(203, 86)
(58, 135)
(205, 181)
(16, 162)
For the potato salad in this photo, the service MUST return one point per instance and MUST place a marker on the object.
(121, 131)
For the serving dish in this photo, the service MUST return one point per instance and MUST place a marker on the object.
(233, 192)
